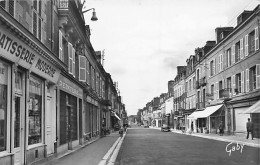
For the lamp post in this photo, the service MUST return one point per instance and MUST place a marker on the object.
(94, 16)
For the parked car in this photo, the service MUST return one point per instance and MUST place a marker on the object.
(165, 128)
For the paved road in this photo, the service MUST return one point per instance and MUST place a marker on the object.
(152, 147)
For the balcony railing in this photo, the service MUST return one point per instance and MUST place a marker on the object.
(225, 93)
(200, 105)
(63, 4)
(203, 81)
(197, 84)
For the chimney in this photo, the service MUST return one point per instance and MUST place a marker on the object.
(99, 56)
(243, 16)
(209, 45)
(180, 69)
(222, 32)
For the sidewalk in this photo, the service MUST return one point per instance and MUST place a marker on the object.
(237, 138)
(91, 153)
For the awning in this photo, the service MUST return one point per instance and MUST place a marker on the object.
(254, 108)
(205, 113)
(116, 116)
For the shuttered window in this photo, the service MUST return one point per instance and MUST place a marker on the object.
(233, 84)
(61, 55)
(246, 45)
(247, 80)
(73, 62)
(88, 72)
(70, 58)
(257, 76)
(256, 39)
(217, 91)
(82, 68)
(242, 82)
(241, 48)
(37, 19)
(233, 52)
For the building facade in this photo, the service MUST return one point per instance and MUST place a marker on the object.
(52, 82)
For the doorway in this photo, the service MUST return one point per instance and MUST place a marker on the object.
(19, 120)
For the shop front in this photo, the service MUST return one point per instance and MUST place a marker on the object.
(69, 99)
(91, 119)
(254, 112)
(208, 119)
(27, 99)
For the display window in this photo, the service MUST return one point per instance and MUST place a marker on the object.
(35, 110)
(3, 105)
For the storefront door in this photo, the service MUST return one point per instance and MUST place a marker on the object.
(49, 129)
(19, 120)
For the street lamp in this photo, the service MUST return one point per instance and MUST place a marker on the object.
(94, 17)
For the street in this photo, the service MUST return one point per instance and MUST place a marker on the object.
(150, 146)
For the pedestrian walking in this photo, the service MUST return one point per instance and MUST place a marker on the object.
(249, 128)
(192, 127)
(221, 128)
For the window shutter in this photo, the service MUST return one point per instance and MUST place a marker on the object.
(82, 68)
(256, 39)
(60, 46)
(217, 89)
(70, 58)
(216, 65)
(241, 49)
(242, 82)
(221, 62)
(73, 62)
(233, 54)
(87, 72)
(246, 45)
(213, 67)
(233, 80)
(247, 80)
(257, 76)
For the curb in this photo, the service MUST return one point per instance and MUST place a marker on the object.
(216, 138)
(110, 157)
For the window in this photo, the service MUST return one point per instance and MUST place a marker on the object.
(35, 111)
(212, 68)
(228, 57)
(8, 5)
(37, 20)
(229, 83)
(190, 84)
(237, 51)
(238, 83)
(220, 61)
(82, 68)
(3, 105)
(251, 42)
(252, 78)
(61, 53)
(71, 53)
(194, 83)
(212, 89)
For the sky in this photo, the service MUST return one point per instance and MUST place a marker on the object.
(145, 40)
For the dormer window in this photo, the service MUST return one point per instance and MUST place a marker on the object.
(221, 35)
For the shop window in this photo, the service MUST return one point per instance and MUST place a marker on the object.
(3, 106)
(35, 111)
